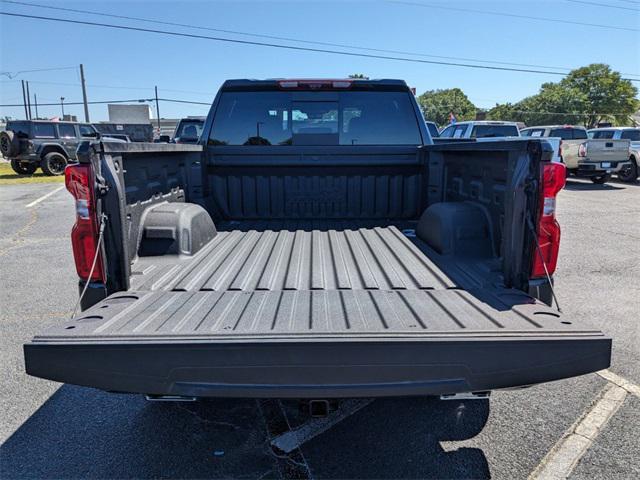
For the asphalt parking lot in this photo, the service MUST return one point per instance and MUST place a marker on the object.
(50, 430)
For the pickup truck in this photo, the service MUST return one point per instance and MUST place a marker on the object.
(315, 244)
(630, 171)
(488, 131)
(595, 159)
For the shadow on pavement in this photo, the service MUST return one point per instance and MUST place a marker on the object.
(86, 433)
(636, 183)
(575, 185)
(401, 438)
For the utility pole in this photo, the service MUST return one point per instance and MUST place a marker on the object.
(158, 110)
(35, 102)
(28, 100)
(24, 100)
(84, 94)
(62, 106)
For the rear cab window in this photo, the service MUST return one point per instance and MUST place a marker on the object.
(44, 130)
(433, 130)
(484, 131)
(602, 134)
(448, 132)
(190, 129)
(568, 133)
(279, 118)
(633, 135)
(454, 131)
(533, 132)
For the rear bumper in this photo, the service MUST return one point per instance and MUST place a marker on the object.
(427, 365)
(592, 169)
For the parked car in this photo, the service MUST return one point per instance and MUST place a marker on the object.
(630, 171)
(481, 129)
(188, 130)
(315, 244)
(30, 144)
(595, 159)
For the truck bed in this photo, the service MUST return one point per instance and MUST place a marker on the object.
(316, 310)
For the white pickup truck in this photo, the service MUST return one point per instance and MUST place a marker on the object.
(628, 173)
(488, 131)
(481, 129)
(593, 158)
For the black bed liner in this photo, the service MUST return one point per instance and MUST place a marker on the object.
(270, 258)
(317, 313)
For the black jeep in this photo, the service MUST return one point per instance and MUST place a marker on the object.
(30, 144)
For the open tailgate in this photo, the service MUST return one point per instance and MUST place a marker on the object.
(315, 344)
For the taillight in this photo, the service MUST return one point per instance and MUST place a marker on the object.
(548, 244)
(582, 150)
(80, 182)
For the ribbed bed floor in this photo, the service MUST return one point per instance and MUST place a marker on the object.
(379, 258)
(370, 282)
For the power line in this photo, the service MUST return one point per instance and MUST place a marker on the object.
(285, 47)
(116, 87)
(603, 5)
(100, 102)
(136, 100)
(513, 15)
(173, 100)
(574, 113)
(191, 92)
(176, 100)
(274, 37)
(12, 75)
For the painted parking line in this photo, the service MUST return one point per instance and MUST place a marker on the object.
(44, 197)
(567, 452)
(611, 377)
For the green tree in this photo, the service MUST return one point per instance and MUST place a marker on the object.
(437, 104)
(587, 95)
(554, 104)
(504, 111)
(606, 95)
(359, 75)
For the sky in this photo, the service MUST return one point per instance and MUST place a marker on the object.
(123, 65)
